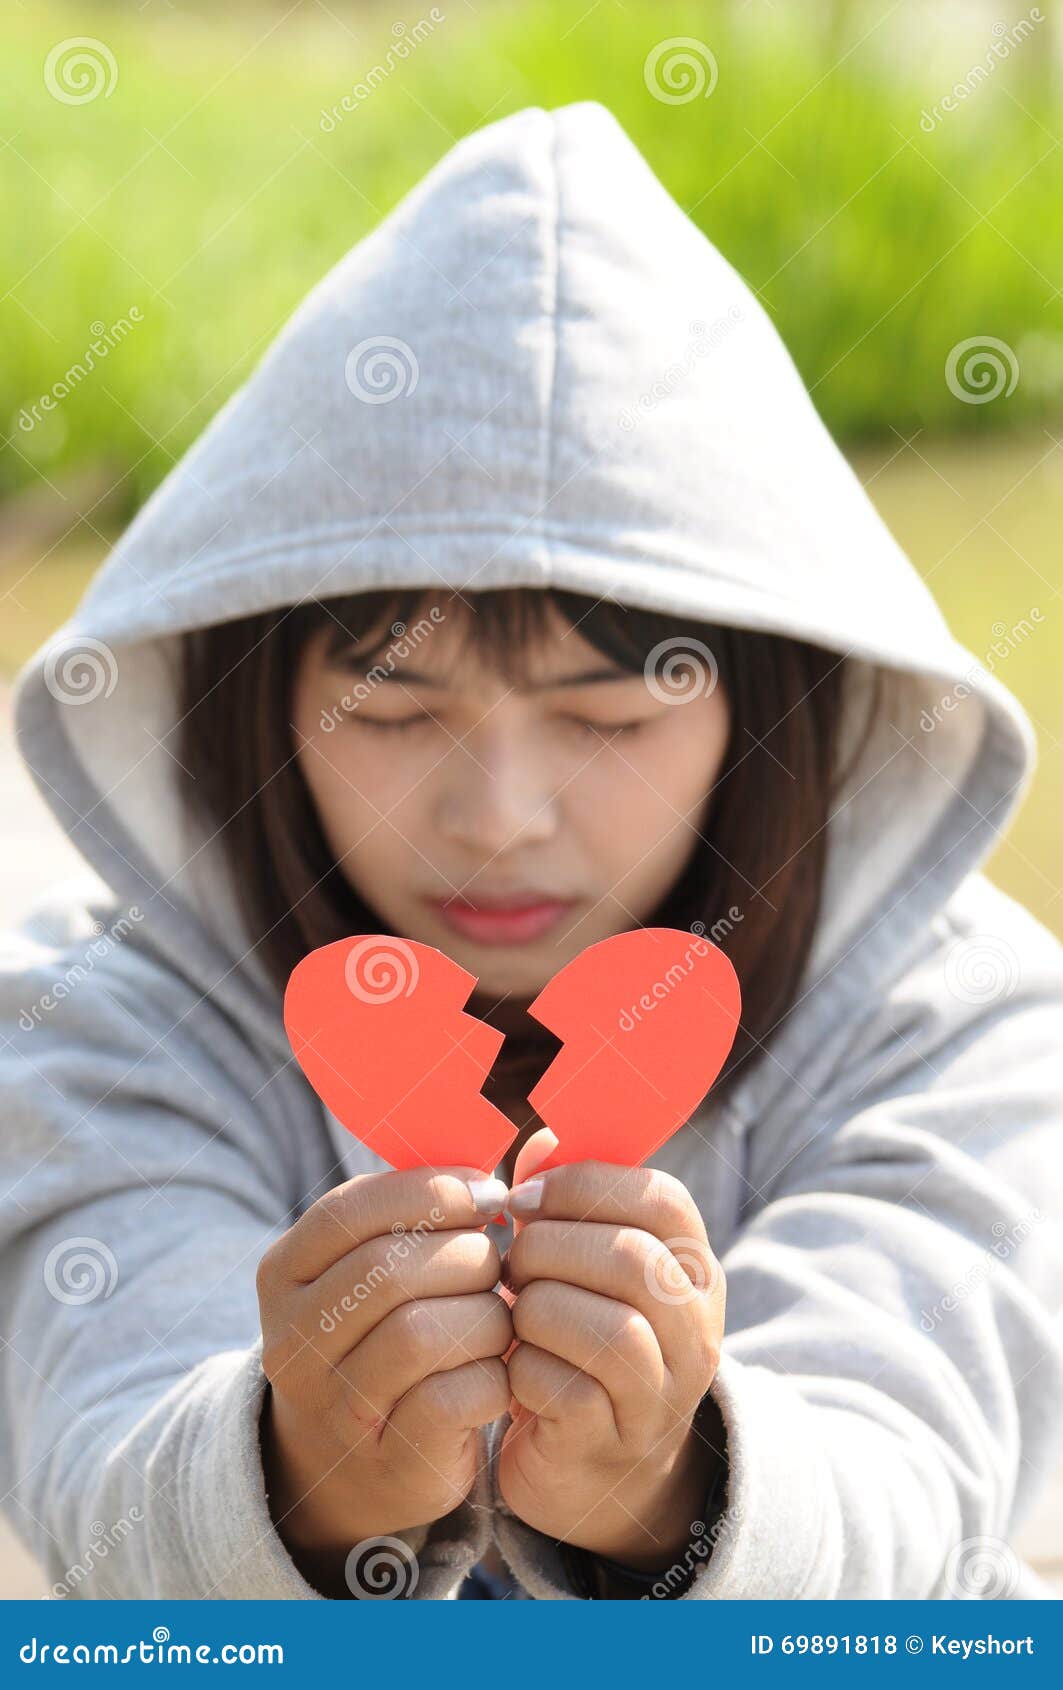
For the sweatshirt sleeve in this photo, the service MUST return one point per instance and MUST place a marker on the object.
(893, 1362)
(146, 1163)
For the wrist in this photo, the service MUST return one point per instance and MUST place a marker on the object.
(659, 1525)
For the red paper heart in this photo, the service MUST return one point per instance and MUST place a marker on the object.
(647, 1019)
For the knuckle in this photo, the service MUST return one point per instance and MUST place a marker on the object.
(416, 1329)
(268, 1273)
(529, 1309)
(631, 1334)
(280, 1350)
(668, 1203)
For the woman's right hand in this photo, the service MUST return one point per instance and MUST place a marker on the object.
(383, 1340)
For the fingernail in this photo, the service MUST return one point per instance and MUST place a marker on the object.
(488, 1195)
(525, 1198)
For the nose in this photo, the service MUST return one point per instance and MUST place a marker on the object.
(494, 796)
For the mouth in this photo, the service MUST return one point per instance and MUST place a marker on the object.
(513, 919)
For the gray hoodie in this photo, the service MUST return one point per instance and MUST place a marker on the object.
(537, 371)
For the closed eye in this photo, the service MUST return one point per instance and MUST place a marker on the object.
(605, 730)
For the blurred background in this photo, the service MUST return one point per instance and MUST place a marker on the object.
(888, 177)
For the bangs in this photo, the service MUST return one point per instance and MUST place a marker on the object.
(503, 626)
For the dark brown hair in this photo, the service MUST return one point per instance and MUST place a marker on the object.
(753, 882)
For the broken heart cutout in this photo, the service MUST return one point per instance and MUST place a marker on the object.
(646, 1018)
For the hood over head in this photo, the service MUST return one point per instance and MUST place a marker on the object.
(535, 371)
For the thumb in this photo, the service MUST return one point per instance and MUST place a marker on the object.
(532, 1153)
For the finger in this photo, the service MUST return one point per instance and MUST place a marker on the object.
(613, 1343)
(534, 1150)
(427, 1336)
(371, 1205)
(555, 1391)
(437, 1414)
(341, 1308)
(632, 1267)
(603, 1191)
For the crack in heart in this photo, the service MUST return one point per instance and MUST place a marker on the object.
(645, 1019)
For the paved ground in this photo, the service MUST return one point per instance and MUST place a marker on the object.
(35, 856)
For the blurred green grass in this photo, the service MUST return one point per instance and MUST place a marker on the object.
(204, 192)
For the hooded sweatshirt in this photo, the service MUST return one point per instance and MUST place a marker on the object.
(536, 371)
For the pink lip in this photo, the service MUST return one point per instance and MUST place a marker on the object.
(503, 922)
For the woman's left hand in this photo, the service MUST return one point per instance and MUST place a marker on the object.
(618, 1310)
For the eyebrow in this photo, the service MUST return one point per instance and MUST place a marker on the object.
(416, 677)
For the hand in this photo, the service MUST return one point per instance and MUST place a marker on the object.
(382, 1343)
(618, 1311)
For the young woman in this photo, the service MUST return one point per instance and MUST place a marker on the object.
(518, 600)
